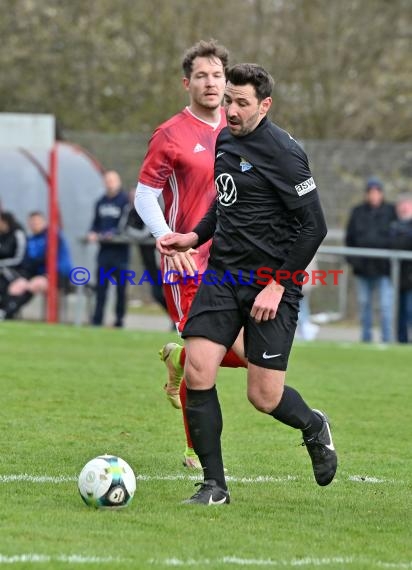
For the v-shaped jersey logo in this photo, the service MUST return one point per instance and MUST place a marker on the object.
(245, 165)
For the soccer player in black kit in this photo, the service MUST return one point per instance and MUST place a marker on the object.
(267, 224)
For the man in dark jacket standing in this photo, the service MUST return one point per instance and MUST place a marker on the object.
(109, 222)
(368, 227)
(401, 238)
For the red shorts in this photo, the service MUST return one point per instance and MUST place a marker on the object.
(179, 299)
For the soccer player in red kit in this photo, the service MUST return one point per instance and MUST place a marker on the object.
(179, 165)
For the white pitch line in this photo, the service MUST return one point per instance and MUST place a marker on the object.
(258, 479)
(268, 562)
(25, 477)
(404, 565)
(70, 558)
(229, 560)
(367, 479)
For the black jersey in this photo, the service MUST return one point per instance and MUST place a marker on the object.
(260, 179)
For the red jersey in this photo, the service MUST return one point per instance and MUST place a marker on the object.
(180, 160)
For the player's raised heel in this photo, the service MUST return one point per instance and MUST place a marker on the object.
(209, 494)
(170, 355)
(322, 452)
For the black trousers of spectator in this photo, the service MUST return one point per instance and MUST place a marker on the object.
(148, 255)
(106, 274)
(405, 316)
(10, 305)
(4, 283)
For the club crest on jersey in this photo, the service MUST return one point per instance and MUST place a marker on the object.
(226, 189)
(245, 165)
(305, 186)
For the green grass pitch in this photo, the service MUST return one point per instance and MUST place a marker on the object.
(69, 394)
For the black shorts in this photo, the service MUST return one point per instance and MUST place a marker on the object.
(219, 311)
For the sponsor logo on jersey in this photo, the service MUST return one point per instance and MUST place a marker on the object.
(198, 148)
(245, 165)
(226, 189)
(305, 186)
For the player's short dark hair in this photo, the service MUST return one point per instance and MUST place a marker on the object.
(203, 48)
(36, 213)
(251, 73)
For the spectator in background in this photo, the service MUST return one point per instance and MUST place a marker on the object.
(12, 251)
(401, 238)
(108, 224)
(368, 227)
(136, 230)
(32, 277)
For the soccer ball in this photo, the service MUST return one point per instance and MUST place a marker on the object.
(107, 481)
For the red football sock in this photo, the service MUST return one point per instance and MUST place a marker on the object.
(183, 394)
(231, 360)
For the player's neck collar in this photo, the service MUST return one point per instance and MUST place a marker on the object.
(213, 124)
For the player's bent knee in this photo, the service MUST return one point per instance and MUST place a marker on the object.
(263, 404)
(265, 389)
(203, 358)
(197, 378)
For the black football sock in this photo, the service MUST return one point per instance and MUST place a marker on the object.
(15, 303)
(205, 423)
(293, 411)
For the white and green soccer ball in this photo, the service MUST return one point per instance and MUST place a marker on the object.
(107, 481)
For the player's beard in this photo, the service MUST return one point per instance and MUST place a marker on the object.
(242, 129)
